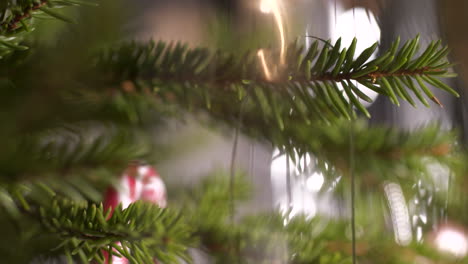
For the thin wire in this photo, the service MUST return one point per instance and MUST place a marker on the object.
(234, 147)
(354, 17)
(447, 198)
(326, 42)
(335, 15)
(233, 160)
(236, 136)
(303, 179)
(232, 175)
(232, 171)
(252, 159)
(351, 167)
(353, 183)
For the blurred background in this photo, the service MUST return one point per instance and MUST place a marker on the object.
(241, 24)
(190, 150)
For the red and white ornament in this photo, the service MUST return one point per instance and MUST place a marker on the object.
(139, 182)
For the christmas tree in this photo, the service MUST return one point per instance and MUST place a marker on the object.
(79, 105)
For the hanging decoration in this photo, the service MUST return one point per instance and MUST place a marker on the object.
(138, 182)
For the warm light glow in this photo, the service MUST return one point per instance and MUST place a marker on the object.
(273, 6)
(399, 213)
(452, 241)
(266, 6)
(266, 70)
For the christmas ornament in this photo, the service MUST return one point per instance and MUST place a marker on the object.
(138, 182)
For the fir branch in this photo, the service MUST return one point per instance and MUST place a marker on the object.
(384, 153)
(16, 15)
(16, 19)
(302, 109)
(200, 72)
(22, 14)
(70, 150)
(141, 233)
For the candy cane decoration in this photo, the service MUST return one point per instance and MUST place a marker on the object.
(139, 182)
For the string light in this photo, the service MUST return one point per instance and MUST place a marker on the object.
(266, 70)
(452, 241)
(273, 7)
(399, 212)
(315, 182)
(266, 6)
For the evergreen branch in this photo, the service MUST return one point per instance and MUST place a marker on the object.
(69, 150)
(15, 15)
(141, 233)
(179, 72)
(380, 150)
(77, 107)
(22, 12)
(144, 231)
(16, 19)
(288, 110)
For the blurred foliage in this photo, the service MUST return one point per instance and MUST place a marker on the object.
(80, 104)
(278, 237)
(302, 110)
